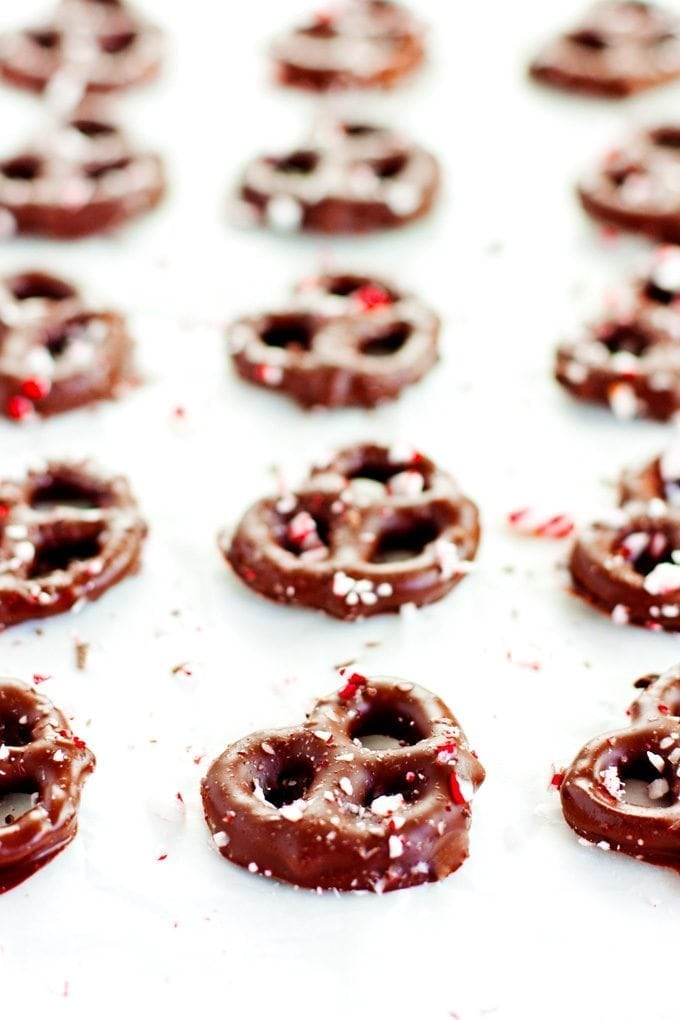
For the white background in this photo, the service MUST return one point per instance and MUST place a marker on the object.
(534, 924)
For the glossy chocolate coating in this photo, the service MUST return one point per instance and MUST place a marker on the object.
(38, 754)
(314, 807)
(98, 45)
(56, 353)
(350, 178)
(67, 533)
(80, 179)
(635, 188)
(595, 797)
(367, 44)
(345, 340)
(371, 530)
(618, 48)
(630, 361)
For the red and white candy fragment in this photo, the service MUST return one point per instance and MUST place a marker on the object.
(530, 521)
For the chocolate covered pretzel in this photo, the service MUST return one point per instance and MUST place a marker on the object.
(79, 179)
(316, 806)
(67, 534)
(365, 44)
(371, 530)
(95, 45)
(637, 186)
(623, 789)
(630, 360)
(620, 47)
(345, 340)
(38, 755)
(56, 353)
(351, 178)
(628, 565)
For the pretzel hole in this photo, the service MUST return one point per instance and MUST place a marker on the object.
(55, 491)
(38, 285)
(360, 130)
(386, 727)
(389, 166)
(303, 161)
(635, 775)
(347, 285)
(95, 171)
(653, 291)
(629, 339)
(386, 343)
(290, 332)
(319, 30)
(658, 549)
(588, 38)
(392, 786)
(117, 43)
(667, 137)
(405, 541)
(60, 556)
(290, 784)
(379, 469)
(93, 128)
(21, 168)
(45, 38)
(16, 803)
(619, 175)
(14, 732)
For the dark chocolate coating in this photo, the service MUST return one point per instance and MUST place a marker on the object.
(100, 45)
(55, 352)
(333, 349)
(631, 361)
(635, 188)
(310, 805)
(631, 565)
(81, 179)
(371, 530)
(38, 753)
(595, 799)
(349, 179)
(67, 533)
(619, 48)
(367, 44)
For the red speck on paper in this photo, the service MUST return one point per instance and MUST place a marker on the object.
(40, 678)
(180, 798)
(35, 388)
(556, 780)
(19, 407)
(162, 857)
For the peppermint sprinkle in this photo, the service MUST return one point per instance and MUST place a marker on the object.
(656, 760)
(293, 812)
(284, 213)
(620, 615)
(396, 847)
(612, 782)
(663, 579)
(387, 804)
(528, 521)
(622, 400)
(657, 789)
(353, 682)
(346, 786)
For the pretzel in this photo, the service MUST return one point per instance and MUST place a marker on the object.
(599, 799)
(365, 44)
(630, 361)
(56, 353)
(82, 178)
(629, 566)
(636, 186)
(38, 755)
(67, 534)
(370, 530)
(351, 178)
(315, 807)
(619, 48)
(98, 45)
(345, 340)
